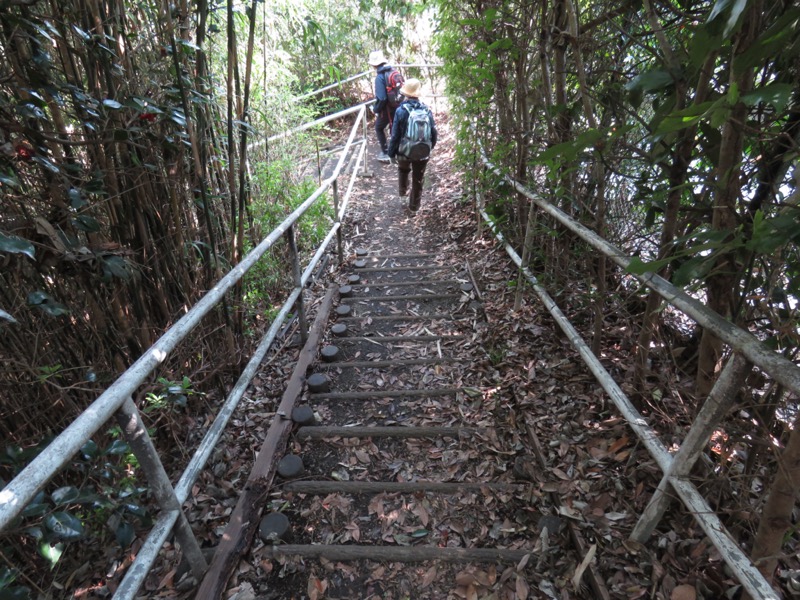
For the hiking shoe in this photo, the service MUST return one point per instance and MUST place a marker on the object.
(403, 193)
(383, 157)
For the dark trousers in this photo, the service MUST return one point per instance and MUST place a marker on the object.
(415, 168)
(382, 119)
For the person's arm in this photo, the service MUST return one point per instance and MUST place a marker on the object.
(434, 133)
(398, 127)
(380, 93)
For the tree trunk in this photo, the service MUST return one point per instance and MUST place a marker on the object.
(723, 282)
(776, 517)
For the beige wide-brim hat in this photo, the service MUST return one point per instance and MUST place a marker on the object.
(376, 58)
(411, 88)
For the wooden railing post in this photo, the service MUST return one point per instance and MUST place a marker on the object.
(297, 273)
(339, 241)
(366, 144)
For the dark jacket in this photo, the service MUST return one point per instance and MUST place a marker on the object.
(400, 121)
(380, 88)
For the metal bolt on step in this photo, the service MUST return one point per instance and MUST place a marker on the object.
(318, 383)
(466, 287)
(339, 329)
(274, 527)
(291, 466)
(360, 264)
(330, 353)
(344, 310)
(345, 291)
(304, 415)
(361, 252)
(351, 279)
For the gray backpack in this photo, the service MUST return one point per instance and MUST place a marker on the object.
(416, 141)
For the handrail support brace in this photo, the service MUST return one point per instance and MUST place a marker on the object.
(142, 445)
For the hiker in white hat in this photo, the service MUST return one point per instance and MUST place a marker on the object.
(388, 82)
(413, 138)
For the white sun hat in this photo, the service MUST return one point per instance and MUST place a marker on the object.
(377, 58)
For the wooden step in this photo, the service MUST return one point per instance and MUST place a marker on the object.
(326, 431)
(384, 394)
(395, 487)
(384, 364)
(400, 268)
(381, 340)
(401, 553)
(399, 298)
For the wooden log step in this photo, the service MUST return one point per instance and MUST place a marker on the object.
(400, 298)
(388, 339)
(401, 553)
(392, 487)
(391, 256)
(383, 364)
(320, 432)
(431, 317)
(395, 269)
(383, 394)
(421, 282)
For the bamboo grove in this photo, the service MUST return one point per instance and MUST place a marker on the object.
(134, 172)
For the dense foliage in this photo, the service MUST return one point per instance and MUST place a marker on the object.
(671, 128)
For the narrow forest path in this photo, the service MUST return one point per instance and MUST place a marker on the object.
(460, 449)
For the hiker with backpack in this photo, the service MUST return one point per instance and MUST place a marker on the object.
(388, 82)
(413, 137)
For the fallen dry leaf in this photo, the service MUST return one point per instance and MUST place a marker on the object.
(684, 592)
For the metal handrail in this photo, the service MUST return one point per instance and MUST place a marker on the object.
(22, 489)
(778, 367)
(359, 76)
(743, 568)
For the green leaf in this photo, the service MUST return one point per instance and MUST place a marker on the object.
(46, 303)
(76, 199)
(730, 13)
(16, 245)
(776, 94)
(7, 576)
(90, 450)
(694, 269)
(7, 592)
(51, 553)
(118, 447)
(682, 119)
(770, 42)
(7, 316)
(116, 266)
(47, 164)
(65, 495)
(125, 534)
(112, 104)
(769, 234)
(420, 533)
(639, 267)
(37, 507)
(650, 81)
(64, 526)
(10, 179)
(86, 223)
(569, 151)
